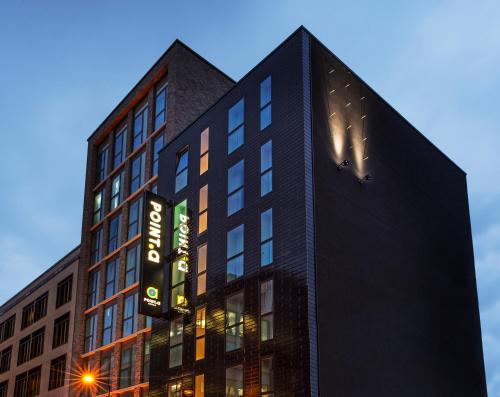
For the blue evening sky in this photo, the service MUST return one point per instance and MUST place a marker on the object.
(64, 65)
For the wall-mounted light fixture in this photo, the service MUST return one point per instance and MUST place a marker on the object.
(343, 164)
(366, 178)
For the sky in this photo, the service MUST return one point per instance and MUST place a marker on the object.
(64, 65)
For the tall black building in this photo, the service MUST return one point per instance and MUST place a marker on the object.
(327, 245)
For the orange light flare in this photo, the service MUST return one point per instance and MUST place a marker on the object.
(88, 378)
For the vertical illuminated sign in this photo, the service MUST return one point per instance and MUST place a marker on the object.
(152, 255)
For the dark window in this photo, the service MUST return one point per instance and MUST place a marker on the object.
(28, 383)
(266, 237)
(266, 311)
(102, 163)
(265, 103)
(90, 332)
(235, 126)
(93, 292)
(235, 247)
(137, 173)
(235, 187)
(234, 381)
(31, 346)
(267, 377)
(34, 311)
(114, 233)
(98, 207)
(57, 372)
(5, 356)
(130, 315)
(120, 147)
(64, 290)
(181, 170)
(157, 146)
(106, 357)
(160, 106)
(7, 328)
(234, 321)
(4, 386)
(140, 127)
(134, 218)
(176, 331)
(127, 366)
(132, 269)
(61, 331)
(266, 170)
(111, 278)
(146, 358)
(109, 324)
(97, 248)
(117, 190)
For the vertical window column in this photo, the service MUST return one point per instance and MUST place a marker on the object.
(181, 170)
(235, 255)
(266, 237)
(200, 332)
(267, 377)
(98, 206)
(120, 147)
(265, 103)
(159, 142)
(140, 127)
(235, 187)
(203, 210)
(235, 126)
(266, 168)
(204, 145)
(234, 321)
(201, 278)
(234, 381)
(160, 105)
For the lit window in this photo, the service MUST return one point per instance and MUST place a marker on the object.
(140, 127)
(235, 246)
(266, 237)
(200, 332)
(267, 377)
(175, 389)
(114, 233)
(130, 315)
(160, 106)
(176, 330)
(199, 386)
(203, 210)
(201, 284)
(266, 311)
(102, 163)
(235, 187)
(265, 103)
(109, 324)
(234, 321)
(181, 170)
(120, 146)
(234, 381)
(137, 173)
(235, 126)
(157, 146)
(266, 170)
(204, 138)
(117, 190)
(98, 207)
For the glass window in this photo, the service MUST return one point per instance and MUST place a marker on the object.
(31, 346)
(175, 389)
(57, 372)
(7, 328)
(98, 207)
(266, 237)
(111, 278)
(137, 173)
(203, 210)
(117, 190)
(160, 106)
(134, 218)
(157, 146)
(199, 386)
(204, 144)
(106, 357)
(61, 329)
(120, 147)
(235, 246)
(234, 321)
(140, 127)
(114, 233)
(109, 324)
(266, 170)
(93, 291)
(235, 126)
(146, 361)
(97, 247)
(234, 381)
(102, 163)
(235, 187)
(5, 356)
(265, 103)
(266, 311)
(127, 366)
(176, 330)
(28, 383)
(132, 269)
(90, 332)
(130, 315)
(267, 377)
(200, 332)
(64, 290)
(201, 285)
(34, 311)
(3, 388)
(181, 170)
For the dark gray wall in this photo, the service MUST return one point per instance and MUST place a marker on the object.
(396, 291)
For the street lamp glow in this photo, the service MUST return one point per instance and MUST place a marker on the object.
(88, 379)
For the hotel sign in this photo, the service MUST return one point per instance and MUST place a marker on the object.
(152, 254)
